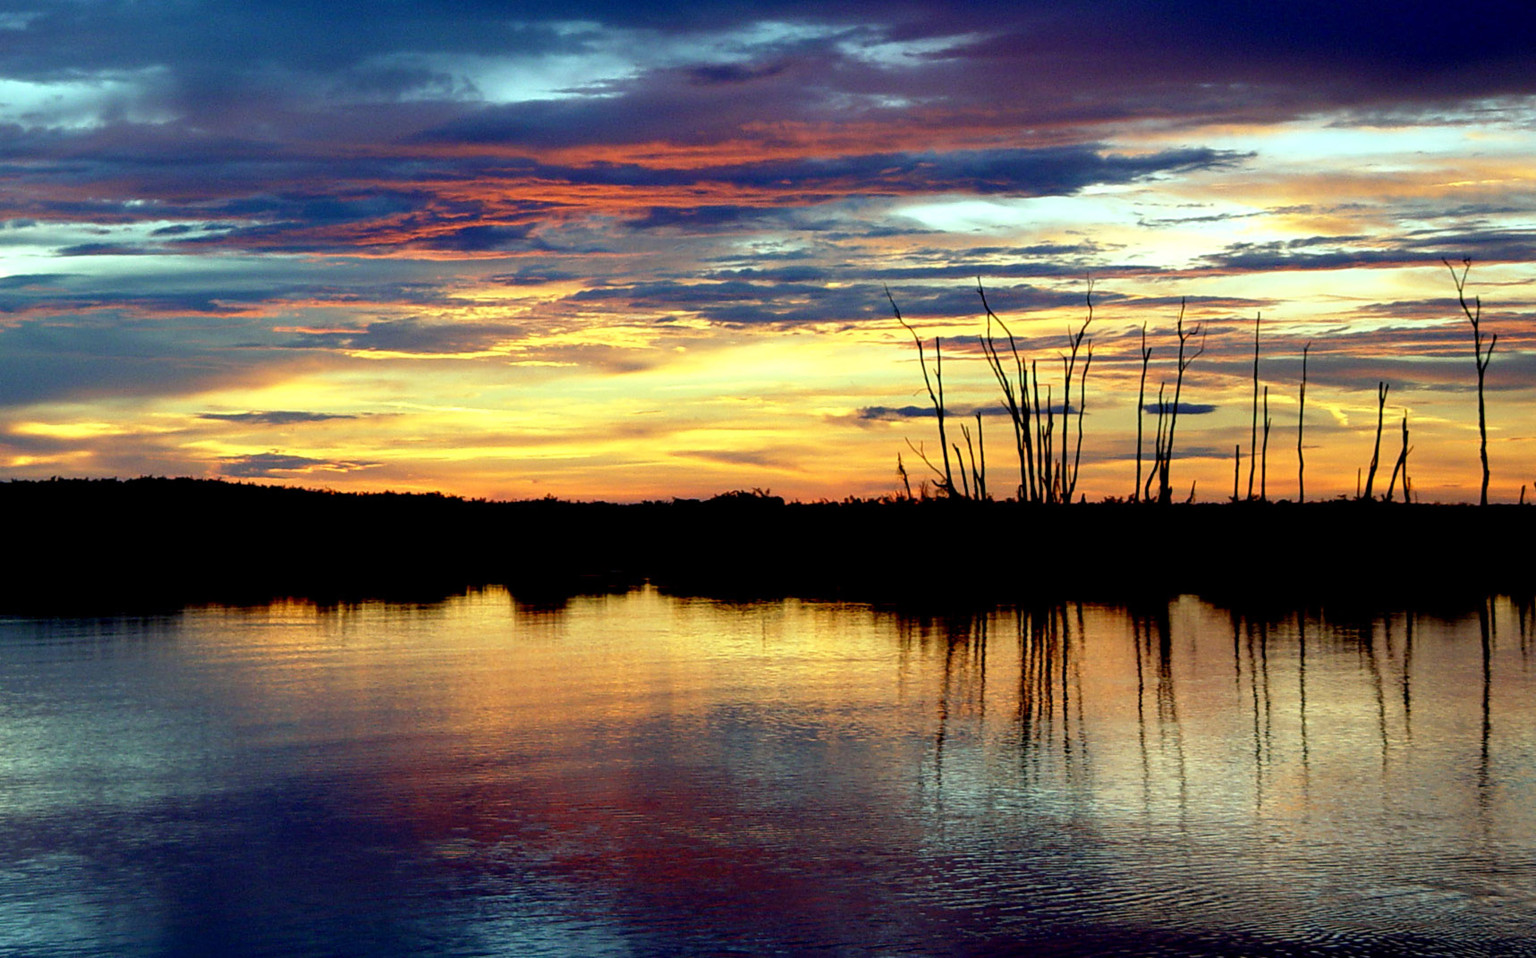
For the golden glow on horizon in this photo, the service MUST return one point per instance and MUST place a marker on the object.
(572, 379)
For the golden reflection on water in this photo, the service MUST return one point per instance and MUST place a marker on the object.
(1147, 711)
(829, 771)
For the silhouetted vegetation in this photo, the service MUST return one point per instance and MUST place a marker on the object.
(1043, 478)
(145, 544)
(1046, 478)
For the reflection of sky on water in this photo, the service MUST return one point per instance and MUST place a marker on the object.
(642, 775)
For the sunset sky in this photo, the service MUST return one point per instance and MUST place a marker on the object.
(630, 251)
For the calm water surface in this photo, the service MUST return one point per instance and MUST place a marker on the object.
(644, 775)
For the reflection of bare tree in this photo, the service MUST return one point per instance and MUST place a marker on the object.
(1301, 682)
(963, 679)
(1486, 627)
(1378, 686)
(1408, 621)
(1050, 686)
(1153, 634)
(1253, 644)
(1141, 714)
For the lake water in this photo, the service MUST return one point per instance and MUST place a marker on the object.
(646, 775)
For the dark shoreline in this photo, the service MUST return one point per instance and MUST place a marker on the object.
(110, 546)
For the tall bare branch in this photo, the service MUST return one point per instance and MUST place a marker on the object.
(1474, 314)
(946, 476)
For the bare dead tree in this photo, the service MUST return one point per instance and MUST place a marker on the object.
(981, 449)
(1045, 424)
(1043, 476)
(1155, 472)
(1301, 421)
(1082, 405)
(1264, 453)
(1402, 463)
(1381, 406)
(978, 483)
(945, 478)
(1474, 314)
(1015, 397)
(1253, 432)
(1141, 398)
(1165, 490)
(1069, 364)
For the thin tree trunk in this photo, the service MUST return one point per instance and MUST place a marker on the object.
(1381, 406)
(1401, 464)
(1301, 422)
(1165, 488)
(1253, 430)
(1141, 398)
(1474, 314)
(1156, 472)
(946, 478)
(1264, 453)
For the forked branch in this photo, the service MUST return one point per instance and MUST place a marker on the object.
(1474, 314)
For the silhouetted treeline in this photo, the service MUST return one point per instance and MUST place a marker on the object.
(108, 545)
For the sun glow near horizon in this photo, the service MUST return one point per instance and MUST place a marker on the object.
(556, 266)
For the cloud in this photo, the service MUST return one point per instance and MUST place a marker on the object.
(410, 336)
(1355, 251)
(958, 412)
(269, 465)
(273, 418)
(207, 197)
(484, 238)
(107, 356)
(735, 457)
(1184, 408)
(891, 414)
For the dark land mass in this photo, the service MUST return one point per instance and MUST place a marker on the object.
(110, 546)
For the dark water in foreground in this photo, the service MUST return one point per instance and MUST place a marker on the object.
(641, 775)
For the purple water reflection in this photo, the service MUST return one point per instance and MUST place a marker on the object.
(643, 775)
